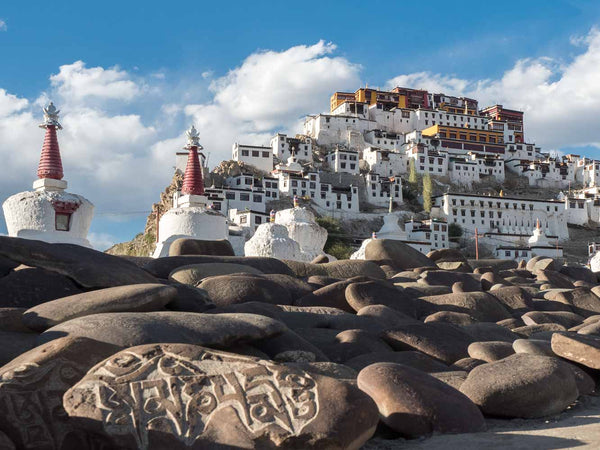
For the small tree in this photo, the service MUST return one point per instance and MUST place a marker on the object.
(338, 241)
(455, 231)
(427, 190)
(412, 176)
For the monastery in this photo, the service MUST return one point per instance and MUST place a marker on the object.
(351, 163)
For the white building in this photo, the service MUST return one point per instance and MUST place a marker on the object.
(432, 231)
(342, 160)
(248, 219)
(384, 140)
(282, 147)
(49, 213)
(257, 156)
(507, 218)
(293, 181)
(385, 162)
(190, 216)
(427, 159)
(380, 189)
(463, 171)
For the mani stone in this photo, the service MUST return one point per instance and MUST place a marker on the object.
(415, 404)
(231, 289)
(440, 340)
(397, 254)
(89, 268)
(187, 246)
(32, 388)
(479, 305)
(582, 349)
(367, 293)
(177, 396)
(195, 273)
(522, 385)
(129, 329)
(132, 298)
(29, 286)
(490, 351)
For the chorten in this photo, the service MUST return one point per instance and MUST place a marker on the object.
(49, 213)
(538, 239)
(190, 216)
(391, 229)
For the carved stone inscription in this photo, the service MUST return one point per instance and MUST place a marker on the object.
(162, 390)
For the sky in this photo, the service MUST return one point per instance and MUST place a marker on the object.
(130, 77)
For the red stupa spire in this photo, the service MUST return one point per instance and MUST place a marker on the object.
(50, 163)
(193, 184)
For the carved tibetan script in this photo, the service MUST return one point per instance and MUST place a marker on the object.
(171, 393)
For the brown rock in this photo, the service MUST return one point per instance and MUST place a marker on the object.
(578, 348)
(387, 317)
(31, 391)
(11, 319)
(416, 404)
(217, 400)
(581, 300)
(231, 289)
(132, 298)
(566, 319)
(367, 293)
(89, 268)
(521, 385)
(187, 246)
(332, 295)
(533, 347)
(554, 278)
(490, 351)
(396, 254)
(455, 318)
(416, 360)
(436, 339)
(29, 286)
(129, 329)
(466, 364)
(479, 305)
(195, 273)
(14, 343)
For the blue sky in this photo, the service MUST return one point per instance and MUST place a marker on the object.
(131, 76)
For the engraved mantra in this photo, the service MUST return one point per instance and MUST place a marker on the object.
(170, 393)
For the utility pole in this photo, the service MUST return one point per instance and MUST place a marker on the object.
(476, 244)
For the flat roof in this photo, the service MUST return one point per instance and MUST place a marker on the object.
(498, 197)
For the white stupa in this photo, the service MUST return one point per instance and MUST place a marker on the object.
(272, 240)
(49, 213)
(539, 238)
(190, 216)
(390, 230)
(304, 229)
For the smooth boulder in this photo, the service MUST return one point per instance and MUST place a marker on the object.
(190, 397)
(415, 404)
(522, 385)
(132, 298)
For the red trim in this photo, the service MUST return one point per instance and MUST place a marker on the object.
(50, 162)
(65, 207)
(193, 184)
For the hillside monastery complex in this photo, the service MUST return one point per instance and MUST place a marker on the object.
(351, 163)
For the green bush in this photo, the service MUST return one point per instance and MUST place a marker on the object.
(338, 241)
(455, 231)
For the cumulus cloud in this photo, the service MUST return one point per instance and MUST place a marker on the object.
(3, 26)
(76, 83)
(561, 99)
(269, 92)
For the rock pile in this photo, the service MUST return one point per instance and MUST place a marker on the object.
(211, 351)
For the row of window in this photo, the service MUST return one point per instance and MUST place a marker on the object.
(490, 204)
(256, 154)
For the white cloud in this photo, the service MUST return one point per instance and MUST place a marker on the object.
(3, 26)
(270, 91)
(561, 99)
(102, 241)
(77, 83)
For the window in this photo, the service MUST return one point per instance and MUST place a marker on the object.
(255, 153)
(62, 221)
(265, 154)
(258, 219)
(245, 197)
(245, 153)
(243, 219)
(257, 198)
(230, 195)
